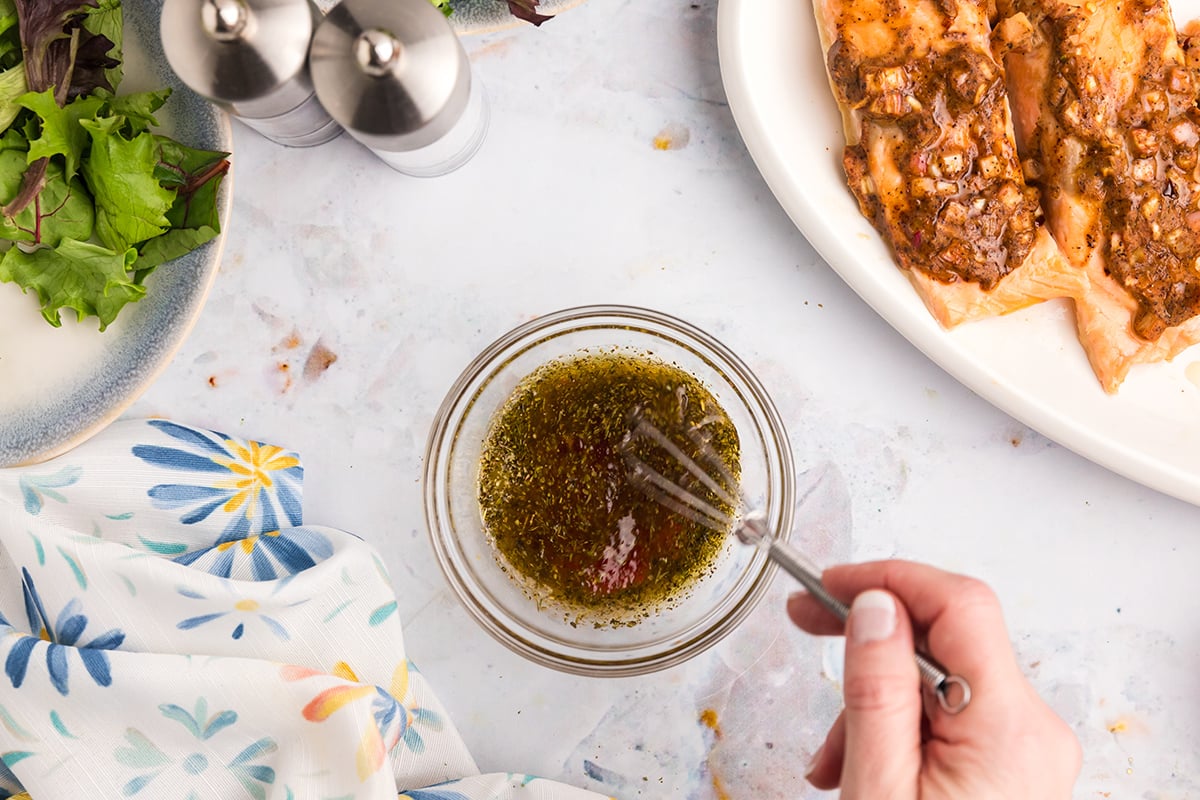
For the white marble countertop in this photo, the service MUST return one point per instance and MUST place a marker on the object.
(350, 297)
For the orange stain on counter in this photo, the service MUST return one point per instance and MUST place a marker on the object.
(320, 358)
(285, 369)
(672, 137)
(1127, 724)
(289, 342)
(708, 718)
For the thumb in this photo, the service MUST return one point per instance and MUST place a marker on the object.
(883, 701)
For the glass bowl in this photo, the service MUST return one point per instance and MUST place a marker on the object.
(475, 569)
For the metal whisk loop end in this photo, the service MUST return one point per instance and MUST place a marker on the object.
(942, 684)
(943, 694)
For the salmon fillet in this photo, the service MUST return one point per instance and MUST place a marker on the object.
(931, 155)
(1104, 107)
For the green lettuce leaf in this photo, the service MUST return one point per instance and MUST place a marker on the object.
(196, 176)
(79, 163)
(179, 164)
(12, 86)
(171, 245)
(13, 139)
(59, 55)
(10, 37)
(84, 277)
(131, 205)
(12, 78)
(62, 210)
(137, 109)
(196, 207)
(61, 133)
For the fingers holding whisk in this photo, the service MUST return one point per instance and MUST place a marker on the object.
(812, 616)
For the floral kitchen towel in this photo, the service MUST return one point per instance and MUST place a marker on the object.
(169, 628)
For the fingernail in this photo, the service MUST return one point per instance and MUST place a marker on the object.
(872, 616)
(812, 762)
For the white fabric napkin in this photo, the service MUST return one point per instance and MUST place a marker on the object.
(170, 629)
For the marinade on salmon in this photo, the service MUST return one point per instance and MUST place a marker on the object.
(931, 155)
(1104, 105)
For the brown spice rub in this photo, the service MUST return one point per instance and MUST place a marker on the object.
(1104, 110)
(931, 156)
(1114, 135)
(935, 168)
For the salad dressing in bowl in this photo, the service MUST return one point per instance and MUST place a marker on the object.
(608, 634)
(555, 496)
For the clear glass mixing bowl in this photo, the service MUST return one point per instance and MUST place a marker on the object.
(477, 571)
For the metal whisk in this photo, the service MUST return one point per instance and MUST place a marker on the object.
(750, 527)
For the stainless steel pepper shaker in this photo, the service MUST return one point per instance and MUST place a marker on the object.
(251, 58)
(394, 75)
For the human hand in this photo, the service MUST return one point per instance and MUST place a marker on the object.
(892, 740)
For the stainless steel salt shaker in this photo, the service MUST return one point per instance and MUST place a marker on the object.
(251, 58)
(394, 75)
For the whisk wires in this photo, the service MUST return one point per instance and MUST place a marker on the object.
(668, 492)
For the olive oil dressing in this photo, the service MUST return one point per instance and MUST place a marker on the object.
(555, 498)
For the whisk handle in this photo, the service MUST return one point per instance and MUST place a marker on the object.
(933, 675)
(795, 565)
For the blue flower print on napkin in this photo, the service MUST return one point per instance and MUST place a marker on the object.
(63, 637)
(250, 487)
(239, 612)
(252, 484)
(143, 756)
(230, 651)
(269, 554)
(36, 488)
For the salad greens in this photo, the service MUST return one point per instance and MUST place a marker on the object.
(521, 9)
(91, 199)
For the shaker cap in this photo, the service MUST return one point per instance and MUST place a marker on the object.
(392, 72)
(237, 50)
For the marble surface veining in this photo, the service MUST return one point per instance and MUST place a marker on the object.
(351, 296)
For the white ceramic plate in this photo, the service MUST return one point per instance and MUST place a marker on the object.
(60, 385)
(1029, 364)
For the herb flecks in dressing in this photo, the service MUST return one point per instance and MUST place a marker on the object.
(554, 491)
